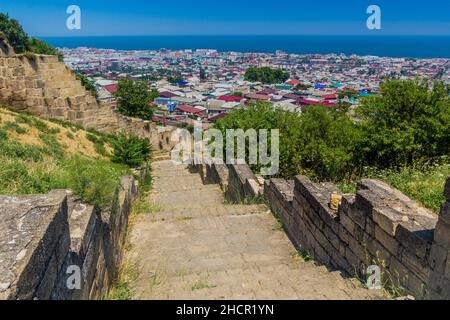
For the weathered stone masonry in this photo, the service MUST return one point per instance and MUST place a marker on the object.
(42, 236)
(45, 87)
(376, 226)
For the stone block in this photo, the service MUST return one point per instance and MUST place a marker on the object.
(415, 265)
(357, 215)
(348, 224)
(30, 229)
(386, 240)
(387, 219)
(438, 257)
(413, 237)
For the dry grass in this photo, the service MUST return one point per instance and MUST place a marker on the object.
(78, 145)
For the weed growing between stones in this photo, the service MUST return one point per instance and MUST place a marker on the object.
(122, 290)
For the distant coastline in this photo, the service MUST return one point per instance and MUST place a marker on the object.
(385, 46)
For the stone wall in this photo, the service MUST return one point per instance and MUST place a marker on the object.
(43, 237)
(45, 87)
(376, 226)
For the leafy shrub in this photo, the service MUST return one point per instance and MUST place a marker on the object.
(14, 32)
(130, 150)
(318, 143)
(40, 47)
(134, 97)
(407, 122)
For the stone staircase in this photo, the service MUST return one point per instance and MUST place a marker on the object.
(194, 245)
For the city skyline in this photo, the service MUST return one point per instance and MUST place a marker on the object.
(48, 19)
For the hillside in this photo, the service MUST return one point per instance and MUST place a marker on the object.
(37, 156)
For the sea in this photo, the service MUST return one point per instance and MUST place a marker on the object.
(384, 46)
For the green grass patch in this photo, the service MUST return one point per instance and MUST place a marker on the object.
(66, 124)
(202, 284)
(52, 145)
(122, 290)
(424, 183)
(13, 126)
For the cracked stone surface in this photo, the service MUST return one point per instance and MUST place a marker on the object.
(198, 247)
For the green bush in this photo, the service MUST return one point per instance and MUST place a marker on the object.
(319, 143)
(14, 33)
(130, 150)
(40, 47)
(391, 134)
(407, 122)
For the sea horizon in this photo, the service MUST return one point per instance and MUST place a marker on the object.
(396, 46)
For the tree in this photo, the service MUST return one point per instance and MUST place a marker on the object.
(408, 121)
(266, 75)
(319, 142)
(14, 32)
(134, 98)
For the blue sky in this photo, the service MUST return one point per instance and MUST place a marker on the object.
(230, 17)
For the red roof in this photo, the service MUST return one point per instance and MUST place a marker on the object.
(329, 97)
(314, 102)
(167, 94)
(293, 82)
(188, 109)
(111, 89)
(256, 96)
(230, 98)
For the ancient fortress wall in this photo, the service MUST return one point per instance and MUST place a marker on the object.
(46, 239)
(376, 226)
(45, 87)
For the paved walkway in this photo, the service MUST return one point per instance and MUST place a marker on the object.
(198, 247)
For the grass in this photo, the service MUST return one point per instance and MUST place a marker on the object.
(144, 205)
(302, 255)
(122, 290)
(424, 182)
(38, 168)
(66, 124)
(10, 125)
(202, 284)
(99, 143)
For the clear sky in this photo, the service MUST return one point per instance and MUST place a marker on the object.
(230, 17)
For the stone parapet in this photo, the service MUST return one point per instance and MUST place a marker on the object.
(377, 226)
(44, 238)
